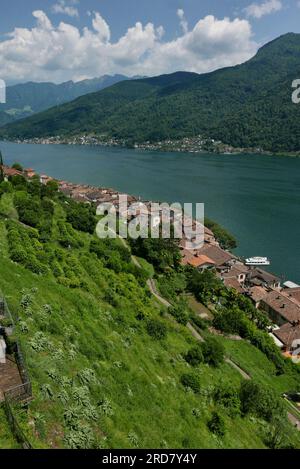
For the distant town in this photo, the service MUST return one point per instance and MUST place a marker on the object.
(198, 144)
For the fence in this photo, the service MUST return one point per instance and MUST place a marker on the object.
(15, 427)
(18, 394)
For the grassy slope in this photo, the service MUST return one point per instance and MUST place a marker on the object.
(7, 440)
(136, 374)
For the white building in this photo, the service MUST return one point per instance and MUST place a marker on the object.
(2, 351)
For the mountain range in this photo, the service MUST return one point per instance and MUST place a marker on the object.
(26, 99)
(248, 105)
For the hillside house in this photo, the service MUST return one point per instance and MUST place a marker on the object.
(261, 278)
(289, 336)
(29, 173)
(201, 262)
(280, 308)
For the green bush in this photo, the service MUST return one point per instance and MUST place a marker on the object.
(194, 356)
(213, 352)
(216, 424)
(179, 312)
(192, 381)
(156, 329)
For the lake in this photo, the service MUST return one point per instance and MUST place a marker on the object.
(256, 197)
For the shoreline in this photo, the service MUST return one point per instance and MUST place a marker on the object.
(172, 146)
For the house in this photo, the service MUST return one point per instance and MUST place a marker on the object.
(44, 179)
(232, 282)
(256, 294)
(238, 271)
(221, 258)
(9, 172)
(289, 336)
(280, 308)
(29, 173)
(259, 277)
(186, 254)
(234, 277)
(293, 293)
(209, 237)
(201, 262)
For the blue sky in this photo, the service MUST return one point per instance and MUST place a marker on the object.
(58, 40)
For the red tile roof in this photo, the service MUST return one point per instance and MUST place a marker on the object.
(198, 261)
(10, 171)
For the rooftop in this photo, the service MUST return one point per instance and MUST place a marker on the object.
(284, 306)
(217, 254)
(201, 260)
(288, 333)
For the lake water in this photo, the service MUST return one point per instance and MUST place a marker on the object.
(256, 197)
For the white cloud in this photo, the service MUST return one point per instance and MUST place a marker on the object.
(183, 22)
(48, 52)
(66, 7)
(258, 10)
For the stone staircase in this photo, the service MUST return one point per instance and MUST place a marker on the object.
(9, 376)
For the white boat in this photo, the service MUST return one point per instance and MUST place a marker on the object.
(257, 261)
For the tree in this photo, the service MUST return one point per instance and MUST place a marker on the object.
(226, 240)
(156, 329)
(194, 356)
(81, 217)
(162, 253)
(204, 285)
(50, 189)
(5, 187)
(17, 167)
(191, 380)
(227, 396)
(260, 400)
(213, 351)
(216, 424)
(179, 312)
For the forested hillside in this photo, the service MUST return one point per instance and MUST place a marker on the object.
(248, 105)
(25, 99)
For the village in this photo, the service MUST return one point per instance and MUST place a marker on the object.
(195, 144)
(280, 302)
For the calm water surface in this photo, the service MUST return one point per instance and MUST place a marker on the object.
(256, 197)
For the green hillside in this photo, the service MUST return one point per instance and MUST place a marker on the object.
(25, 99)
(248, 105)
(109, 367)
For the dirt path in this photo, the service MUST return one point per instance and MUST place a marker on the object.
(152, 287)
(195, 333)
(238, 368)
(294, 421)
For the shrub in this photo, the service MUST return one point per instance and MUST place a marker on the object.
(228, 397)
(191, 380)
(180, 314)
(216, 424)
(260, 401)
(194, 356)
(213, 352)
(156, 329)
